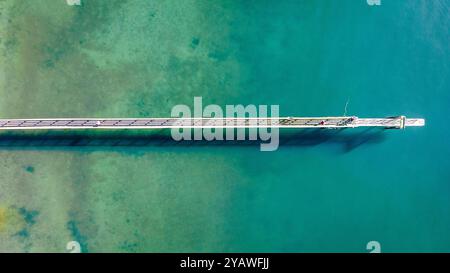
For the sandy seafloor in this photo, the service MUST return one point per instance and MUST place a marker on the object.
(139, 58)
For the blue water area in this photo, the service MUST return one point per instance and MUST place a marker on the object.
(321, 191)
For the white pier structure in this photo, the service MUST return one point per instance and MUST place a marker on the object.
(399, 122)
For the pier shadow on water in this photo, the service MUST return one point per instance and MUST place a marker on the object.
(86, 140)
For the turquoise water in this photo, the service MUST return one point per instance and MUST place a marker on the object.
(324, 192)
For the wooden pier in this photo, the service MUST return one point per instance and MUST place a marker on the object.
(399, 122)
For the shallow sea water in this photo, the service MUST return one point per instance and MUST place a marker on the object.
(320, 191)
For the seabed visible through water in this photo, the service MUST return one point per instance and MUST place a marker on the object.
(321, 191)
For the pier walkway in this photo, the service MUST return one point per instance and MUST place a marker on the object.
(399, 122)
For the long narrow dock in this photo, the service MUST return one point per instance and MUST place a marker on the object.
(399, 122)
